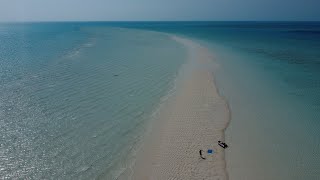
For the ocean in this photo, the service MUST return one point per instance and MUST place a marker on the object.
(77, 98)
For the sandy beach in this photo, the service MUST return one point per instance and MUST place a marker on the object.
(125, 100)
(193, 118)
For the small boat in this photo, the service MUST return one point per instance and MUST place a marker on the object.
(222, 144)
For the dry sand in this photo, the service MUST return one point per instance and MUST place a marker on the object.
(193, 118)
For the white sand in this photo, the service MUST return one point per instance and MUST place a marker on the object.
(194, 118)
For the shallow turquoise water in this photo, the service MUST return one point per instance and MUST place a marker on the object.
(273, 131)
(76, 98)
(270, 74)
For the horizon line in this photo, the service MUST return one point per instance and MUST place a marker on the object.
(128, 21)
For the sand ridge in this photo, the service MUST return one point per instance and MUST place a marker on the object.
(194, 118)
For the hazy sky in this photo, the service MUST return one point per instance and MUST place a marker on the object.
(115, 10)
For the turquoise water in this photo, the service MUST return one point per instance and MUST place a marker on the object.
(76, 98)
(270, 74)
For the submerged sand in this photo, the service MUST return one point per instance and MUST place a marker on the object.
(193, 118)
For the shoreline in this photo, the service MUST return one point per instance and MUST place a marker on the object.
(194, 117)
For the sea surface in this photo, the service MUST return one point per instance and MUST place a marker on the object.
(77, 98)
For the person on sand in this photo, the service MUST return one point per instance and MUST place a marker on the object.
(201, 154)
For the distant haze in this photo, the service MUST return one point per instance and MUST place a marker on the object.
(159, 10)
